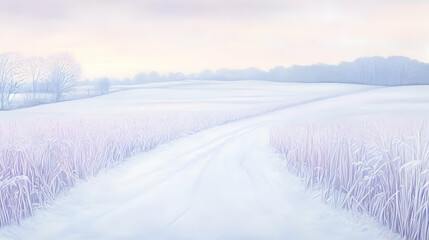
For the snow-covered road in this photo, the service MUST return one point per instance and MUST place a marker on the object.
(222, 183)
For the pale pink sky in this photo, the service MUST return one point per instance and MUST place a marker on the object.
(122, 38)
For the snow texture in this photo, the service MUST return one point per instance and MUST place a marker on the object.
(222, 183)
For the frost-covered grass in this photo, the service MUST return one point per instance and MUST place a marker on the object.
(39, 159)
(380, 168)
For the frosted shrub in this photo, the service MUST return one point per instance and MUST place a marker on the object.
(381, 168)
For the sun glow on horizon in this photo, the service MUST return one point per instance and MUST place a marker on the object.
(120, 39)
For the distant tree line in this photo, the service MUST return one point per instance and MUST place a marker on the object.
(369, 70)
(42, 80)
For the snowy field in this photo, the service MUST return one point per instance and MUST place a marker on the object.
(224, 182)
(190, 96)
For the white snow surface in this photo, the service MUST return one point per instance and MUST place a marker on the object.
(221, 183)
(187, 96)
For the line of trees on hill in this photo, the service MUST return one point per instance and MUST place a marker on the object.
(44, 79)
(389, 71)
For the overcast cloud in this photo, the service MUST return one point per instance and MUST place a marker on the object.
(121, 38)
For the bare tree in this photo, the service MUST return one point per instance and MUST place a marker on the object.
(365, 70)
(64, 72)
(103, 85)
(11, 77)
(38, 72)
(403, 69)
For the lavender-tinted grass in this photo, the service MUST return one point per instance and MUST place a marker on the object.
(380, 168)
(39, 159)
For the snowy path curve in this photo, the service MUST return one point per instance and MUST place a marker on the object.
(221, 183)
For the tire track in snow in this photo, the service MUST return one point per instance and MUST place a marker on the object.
(225, 187)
